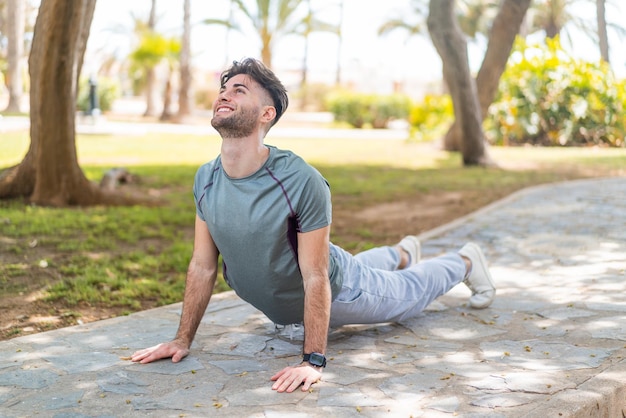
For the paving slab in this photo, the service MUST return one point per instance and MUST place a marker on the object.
(551, 345)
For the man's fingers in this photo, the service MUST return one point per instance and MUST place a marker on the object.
(159, 352)
(306, 385)
(290, 378)
(294, 385)
(139, 355)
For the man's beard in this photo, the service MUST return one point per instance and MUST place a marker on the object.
(239, 124)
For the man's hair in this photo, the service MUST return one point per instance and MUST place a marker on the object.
(256, 70)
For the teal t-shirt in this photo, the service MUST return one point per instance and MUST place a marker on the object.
(254, 223)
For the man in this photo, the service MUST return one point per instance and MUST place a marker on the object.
(268, 213)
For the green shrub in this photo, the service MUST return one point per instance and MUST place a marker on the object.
(107, 89)
(430, 118)
(348, 107)
(312, 96)
(375, 110)
(389, 107)
(546, 97)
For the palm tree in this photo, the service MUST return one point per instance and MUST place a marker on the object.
(152, 50)
(416, 25)
(555, 17)
(273, 20)
(338, 73)
(502, 33)
(603, 38)
(451, 45)
(449, 27)
(172, 58)
(270, 20)
(309, 25)
(551, 17)
(150, 73)
(144, 36)
(603, 26)
(474, 17)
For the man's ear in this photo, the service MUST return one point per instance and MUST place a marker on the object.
(269, 114)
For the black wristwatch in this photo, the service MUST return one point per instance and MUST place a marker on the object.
(315, 359)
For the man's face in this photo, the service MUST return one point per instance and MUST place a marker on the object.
(238, 107)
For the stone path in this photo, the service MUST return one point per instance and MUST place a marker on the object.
(551, 345)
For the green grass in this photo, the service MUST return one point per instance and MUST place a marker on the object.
(128, 256)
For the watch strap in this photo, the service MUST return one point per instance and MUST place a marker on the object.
(317, 356)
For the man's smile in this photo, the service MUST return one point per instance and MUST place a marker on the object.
(223, 109)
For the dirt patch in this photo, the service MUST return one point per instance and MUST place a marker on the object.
(430, 210)
(389, 222)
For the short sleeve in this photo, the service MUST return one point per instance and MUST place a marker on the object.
(314, 209)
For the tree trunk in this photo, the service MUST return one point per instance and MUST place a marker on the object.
(305, 57)
(166, 115)
(339, 44)
(505, 28)
(50, 174)
(602, 35)
(61, 33)
(266, 48)
(452, 47)
(15, 37)
(184, 93)
(19, 180)
(150, 72)
(150, 101)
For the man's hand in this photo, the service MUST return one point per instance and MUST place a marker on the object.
(174, 349)
(289, 378)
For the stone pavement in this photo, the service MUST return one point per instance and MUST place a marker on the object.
(551, 345)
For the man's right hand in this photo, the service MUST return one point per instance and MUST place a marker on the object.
(174, 349)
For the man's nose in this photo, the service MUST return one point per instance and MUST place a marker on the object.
(224, 95)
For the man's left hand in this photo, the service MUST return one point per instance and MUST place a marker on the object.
(289, 378)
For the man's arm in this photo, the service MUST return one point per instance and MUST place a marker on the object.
(313, 253)
(201, 276)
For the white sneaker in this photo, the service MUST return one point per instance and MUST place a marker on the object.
(412, 246)
(479, 280)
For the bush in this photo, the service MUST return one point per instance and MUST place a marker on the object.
(549, 98)
(107, 89)
(312, 96)
(432, 117)
(375, 110)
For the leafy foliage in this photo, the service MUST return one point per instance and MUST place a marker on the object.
(359, 109)
(430, 118)
(153, 48)
(546, 97)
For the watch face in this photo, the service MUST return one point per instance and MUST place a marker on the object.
(317, 359)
